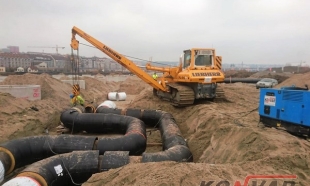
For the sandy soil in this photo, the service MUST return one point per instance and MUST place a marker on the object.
(224, 136)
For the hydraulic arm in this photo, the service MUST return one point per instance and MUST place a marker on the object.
(122, 60)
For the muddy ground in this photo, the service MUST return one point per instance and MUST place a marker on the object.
(224, 137)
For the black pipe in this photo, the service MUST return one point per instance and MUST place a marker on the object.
(174, 145)
(242, 80)
(149, 117)
(91, 108)
(178, 153)
(134, 139)
(170, 133)
(31, 149)
(65, 169)
(114, 159)
(27, 150)
(111, 110)
(74, 168)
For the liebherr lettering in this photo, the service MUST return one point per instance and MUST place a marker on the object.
(206, 74)
(112, 52)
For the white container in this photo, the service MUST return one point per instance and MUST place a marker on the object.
(108, 104)
(22, 180)
(112, 96)
(2, 172)
(121, 96)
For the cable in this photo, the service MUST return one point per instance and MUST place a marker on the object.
(131, 56)
(69, 173)
(59, 155)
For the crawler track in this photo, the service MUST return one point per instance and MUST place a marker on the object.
(220, 94)
(181, 95)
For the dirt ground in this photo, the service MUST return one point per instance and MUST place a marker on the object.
(224, 136)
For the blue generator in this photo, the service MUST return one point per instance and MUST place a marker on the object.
(288, 107)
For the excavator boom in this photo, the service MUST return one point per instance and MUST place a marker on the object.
(122, 60)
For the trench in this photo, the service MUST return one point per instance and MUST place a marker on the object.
(60, 159)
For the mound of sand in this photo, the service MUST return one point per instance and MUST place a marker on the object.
(224, 137)
(298, 80)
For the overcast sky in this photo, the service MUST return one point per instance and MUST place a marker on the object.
(248, 31)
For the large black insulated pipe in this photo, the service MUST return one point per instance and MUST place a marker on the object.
(65, 169)
(178, 153)
(70, 169)
(111, 110)
(23, 151)
(174, 145)
(149, 117)
(134, 139)
(242, 80)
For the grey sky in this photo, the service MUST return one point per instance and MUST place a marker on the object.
(252, 31)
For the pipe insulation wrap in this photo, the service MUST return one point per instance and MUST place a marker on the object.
(114, 159)
(61, 170)
(2, 171)
(149, 117)
(106, 110)
(175, 147)
(22, 180)
(178, 153)
(134, 139)
(31, 149)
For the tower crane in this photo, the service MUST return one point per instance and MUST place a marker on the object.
(47, 47)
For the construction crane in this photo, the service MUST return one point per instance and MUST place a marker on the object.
(47, 47)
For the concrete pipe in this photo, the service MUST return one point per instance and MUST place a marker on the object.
(121, 96)
(112, 96)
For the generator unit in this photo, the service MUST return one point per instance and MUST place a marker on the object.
(287, 107)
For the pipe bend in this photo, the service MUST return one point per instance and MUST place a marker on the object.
(178, 153)
(27, 150)
(60, 169)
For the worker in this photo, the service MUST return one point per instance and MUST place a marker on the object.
(155, 76)
(77, 100)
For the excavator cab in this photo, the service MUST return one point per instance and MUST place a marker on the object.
(198, 58)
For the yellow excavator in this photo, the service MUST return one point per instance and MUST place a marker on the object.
(196, 77)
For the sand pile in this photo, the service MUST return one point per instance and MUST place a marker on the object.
(133, 85)
(226, 141)
(298, 80)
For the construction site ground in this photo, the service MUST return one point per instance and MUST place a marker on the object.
(224, 136)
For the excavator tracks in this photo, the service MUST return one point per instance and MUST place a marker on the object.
(220, 94)
(181, 95)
